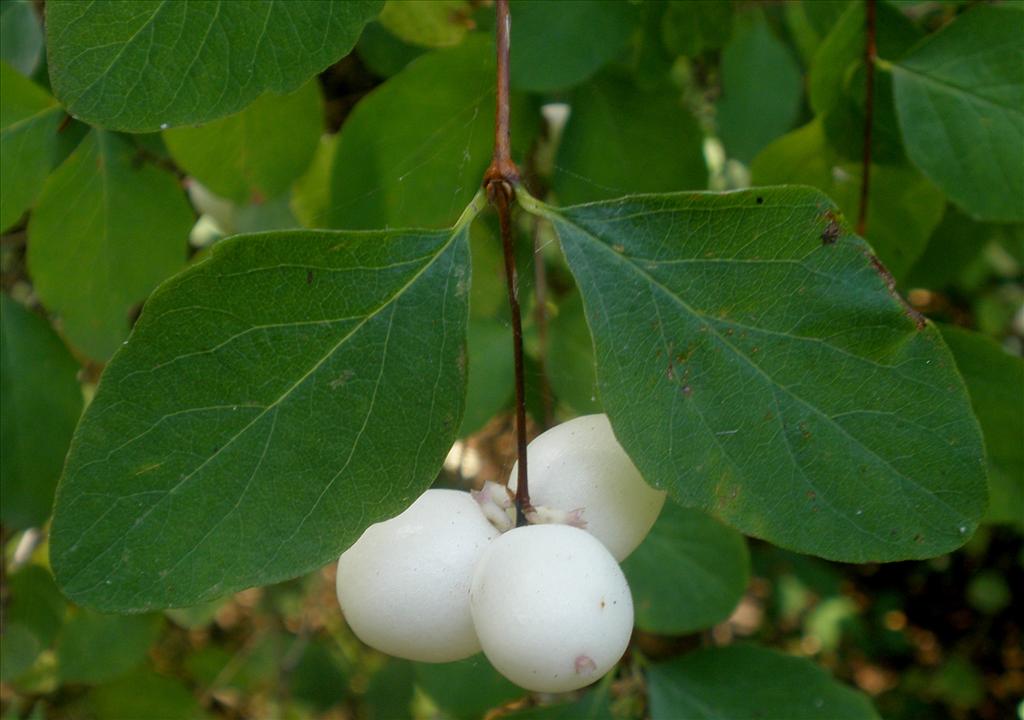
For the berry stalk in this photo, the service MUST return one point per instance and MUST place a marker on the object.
(500, 182)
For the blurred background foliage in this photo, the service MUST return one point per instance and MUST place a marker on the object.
(610, 98)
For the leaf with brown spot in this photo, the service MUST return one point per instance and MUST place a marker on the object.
(842, 377)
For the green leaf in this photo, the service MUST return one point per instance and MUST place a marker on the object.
(903, 207)
(560, 44)
(33, 614)
(837, 84)
(826, 417)
(593, 705)
(106, 229)
(383, 53)
(311, 193)
(809, 23)
(646, 60)
(257, 153)
(489, 337)
(841, 53)
(995, 381)
(467, 689)
(390, 172)
(609, 149)
(144, 65)
(34, 602)
(95, 648)
(688, 574)
(488, 298)
(689, 28)
(390, 693)
(145, 694)
(275, 214)
(429, 23)
(318, 679)
(960, 100)
(18, 651)
(744, 681)
(272, 402)
(40, 402)
(29, 119)
(761, 90)
(951, 249)
(570, 361)
(21, 36)
(490, 384)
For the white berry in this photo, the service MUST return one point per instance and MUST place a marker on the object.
(404, 585)
(551, 607)
(580, 470)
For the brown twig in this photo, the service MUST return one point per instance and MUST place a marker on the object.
(502, 171)
(500, 181)
(870, 54)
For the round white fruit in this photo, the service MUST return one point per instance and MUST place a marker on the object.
(551, 607)
(404, 585)
(580, 466)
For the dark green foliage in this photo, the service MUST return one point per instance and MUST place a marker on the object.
(39, 405)
(254, 402)
(746, 681)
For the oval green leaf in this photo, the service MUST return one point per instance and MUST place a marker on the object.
(608, 148)
(428, 23)
(960, 102)
(124, 642)
(272, 402)
(29, 119)
(824, 416)
(392, 171)
(467, 689)
(144, 694)
(761, 89)
(146, 65)
(40, 402)
(556, 45)
(253, 155)
(744, 681)
(688, 574)
(107, 228)
(995, 380)
(490, 384)
(21, 35)
(570, 362)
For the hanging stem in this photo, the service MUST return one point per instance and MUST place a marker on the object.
(500, 181)
(870, 54)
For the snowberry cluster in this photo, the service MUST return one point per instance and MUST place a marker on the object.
(547, 603)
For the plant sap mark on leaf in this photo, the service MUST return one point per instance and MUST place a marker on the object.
(919, 320)
(832, 230)
(339, 381)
